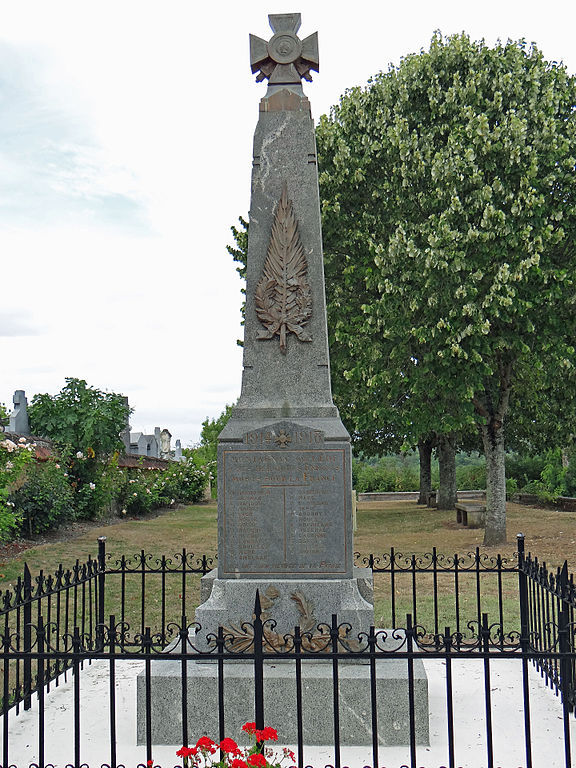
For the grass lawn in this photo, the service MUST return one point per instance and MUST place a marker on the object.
(409, 528)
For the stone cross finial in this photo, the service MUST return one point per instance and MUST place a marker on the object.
(284, 59)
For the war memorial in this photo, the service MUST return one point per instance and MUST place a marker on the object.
(284, 463)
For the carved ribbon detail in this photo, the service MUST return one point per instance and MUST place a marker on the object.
(282, 297)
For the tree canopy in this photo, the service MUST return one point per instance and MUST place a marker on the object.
(448, 221)
(81, 417)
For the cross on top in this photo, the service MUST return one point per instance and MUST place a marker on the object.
(284, 58)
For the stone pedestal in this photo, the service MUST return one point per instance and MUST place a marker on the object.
(288, 602)
(280, 702)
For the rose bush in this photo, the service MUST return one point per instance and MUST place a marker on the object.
(14, 459)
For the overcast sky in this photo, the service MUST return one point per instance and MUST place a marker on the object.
(125, 156)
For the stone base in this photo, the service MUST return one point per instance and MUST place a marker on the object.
(280, 702)
(289, 602)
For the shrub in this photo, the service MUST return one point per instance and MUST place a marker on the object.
(471, 477)
(143, 490)
(45, 500)
(524, 469)
(389, 474)
(184, 481)
(138, 494)
(14, 459)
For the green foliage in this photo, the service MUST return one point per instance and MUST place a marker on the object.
(81, 418)
(239, 254)
(524, 469)
(15, 458)
(548, 475)
(449, 212)
(45, 500)
(36, 496)
(391, 473)
(143, 490)
(472, 476)
(85, 423)
(205, 454)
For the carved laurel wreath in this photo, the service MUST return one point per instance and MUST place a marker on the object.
(241, 639)
(282, 297)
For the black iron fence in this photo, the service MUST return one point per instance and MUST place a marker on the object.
(490, 611)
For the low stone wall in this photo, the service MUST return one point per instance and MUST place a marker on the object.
(411, 495)
(389, 496)
(525, 498)
(134, 461)
(566, 503)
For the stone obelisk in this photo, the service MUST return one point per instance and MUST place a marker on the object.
(284, 473)
(284, 479)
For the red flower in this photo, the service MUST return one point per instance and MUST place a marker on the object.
(228, 745)
(186, 752)
(206, 744)
(249, 727)
(236, 763)
(267, 734)
(257, 759)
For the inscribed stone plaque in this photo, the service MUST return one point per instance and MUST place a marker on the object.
(285, 504)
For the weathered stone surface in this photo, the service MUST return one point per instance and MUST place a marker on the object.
(284, 58)
(280, 702)
(306, 603)
(295, 384)
(19, 422)
(284, 466)
(284, 501)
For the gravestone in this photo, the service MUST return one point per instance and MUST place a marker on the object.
(125, 434)
(165, 450)
(19, 422)
(284, 461)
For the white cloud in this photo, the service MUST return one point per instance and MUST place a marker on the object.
(125, 157)
(17, 323)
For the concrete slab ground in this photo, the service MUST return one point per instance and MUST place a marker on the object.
(468, 686)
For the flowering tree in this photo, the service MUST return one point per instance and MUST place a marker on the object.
(85, 423)
(449, 198)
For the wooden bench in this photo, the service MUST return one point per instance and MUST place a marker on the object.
(471, 515)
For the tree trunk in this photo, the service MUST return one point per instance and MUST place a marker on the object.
(447, 490)
(493, 439)
(425, 454)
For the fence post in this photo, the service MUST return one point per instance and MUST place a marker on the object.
(523, 595)
(101, 591)
(524, 642)
(258, 665)
(564, 643)
(27, 646)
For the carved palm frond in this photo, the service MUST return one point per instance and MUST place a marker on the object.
(282, 297)
(306, 611)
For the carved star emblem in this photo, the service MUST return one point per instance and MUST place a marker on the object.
(283, 439)
(284, 58)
